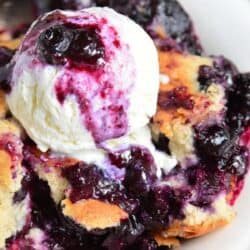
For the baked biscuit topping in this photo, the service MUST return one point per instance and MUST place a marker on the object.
(13, 212)
(93, 214)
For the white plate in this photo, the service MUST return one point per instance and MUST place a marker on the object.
(224, 28)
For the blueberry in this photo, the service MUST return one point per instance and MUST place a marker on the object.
(140, 172)
(5, 56)
(88, 181)
(238, 163)
(221, 72)
(195, 175)
(54, 43)
(207, 183)
(143, 11)
(5, 68)
(144, 243)
(212, 141)
(162, 205)
(61, 43)
(169, 15)
(238, 113)
(86, 46)
(240, 92)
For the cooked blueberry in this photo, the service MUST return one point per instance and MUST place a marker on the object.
(240, 92)
(207, 182)
(5, 55)
(177, 25)
(89, 181)
(144, 243)
(238, 120)
(47, 216)
(143, 11)
(238, 163)
(162, 205)
(125, 236)
(60, 43)
(169, 15)
(207, 75)
(195, 175)
(212, 141)
(5, 68)
(140, 172)
(221, 72)
(54, 43)
(228, 67)
(86, 46)
(238, 113)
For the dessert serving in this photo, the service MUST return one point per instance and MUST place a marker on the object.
(117, 131)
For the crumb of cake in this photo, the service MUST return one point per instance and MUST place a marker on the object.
(94, 214)
(48, 168)
(5, 163)
(3, 105)
(199, 222)
(56, 182)
(166, 241)
(216, 94)
(12, 214)
(11, 44)
(180, 138)
(182, 69)
(9, 127)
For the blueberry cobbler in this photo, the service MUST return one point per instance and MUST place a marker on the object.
(100, 151)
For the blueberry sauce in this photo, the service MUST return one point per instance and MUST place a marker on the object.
(154, 208)
(5, 68)
(61, 232)
(238, 113)
(176, 23)
(162, 206)
(221, 72)
(140, 170)
(176, 98)
(5, 56)
(208, 183)
(60, 43)
(212, 142)
(89, 182)
(112, 115)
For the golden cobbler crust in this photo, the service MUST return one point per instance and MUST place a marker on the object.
(176, 123)
(94, 214)
(12, 215)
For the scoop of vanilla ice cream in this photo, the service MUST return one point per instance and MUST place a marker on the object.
(82, 78)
